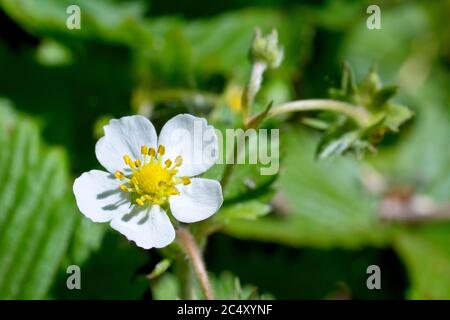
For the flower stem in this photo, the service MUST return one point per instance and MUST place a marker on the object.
(254, 84)
(357, 113)
(193, 253)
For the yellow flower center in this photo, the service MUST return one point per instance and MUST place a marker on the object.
(152, 180)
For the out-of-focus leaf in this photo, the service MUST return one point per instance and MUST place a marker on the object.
(426, 252)
(116, 22)
(247, 181)
(404, 26)
(219, 42)
(336, 145)
(37, 211)
(382, 96)
(42, 230)
(249, 210)
(51, 53)
(396, 115)
(422, 161)
(213, 45)
(166, 287)
(228, 287)
(422, 158)
(325, 203)
(225, 286)
(87, 238)
(111, 272)
(160, 268)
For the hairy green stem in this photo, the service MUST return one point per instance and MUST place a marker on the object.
(193, 253)
(357, 113)
(254, 84)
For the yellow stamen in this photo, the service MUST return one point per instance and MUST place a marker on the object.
(178, 161)
(119, 175)
(161, 150)
(127, 159)
(152, 182)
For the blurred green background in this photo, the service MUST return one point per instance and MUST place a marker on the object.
(323, 227)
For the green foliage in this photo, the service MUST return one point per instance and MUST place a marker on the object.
(37, 214)
(226, 287)
(372, 100)
(160, 268)
(249, 210)
(426, 252)
(74, 80)
(109, 273)
(317, 213)
(42, 230)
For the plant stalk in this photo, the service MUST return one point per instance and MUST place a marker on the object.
(193, 252)
(359, 114)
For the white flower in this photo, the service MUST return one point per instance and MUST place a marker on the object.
(147, 175)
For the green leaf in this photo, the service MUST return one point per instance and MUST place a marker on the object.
(396, 115)
(160, 268)
(348, 88)
(213, 45)
(368, 87)
(110, 21)
(37, 211)
(333, 145)
(426, 252)
(225, 286)
(248, 210)
(421, 161)
(42, 230)
(247, 181)
(342, 135)
(382, 96)
(323, 202)
(348, 81)
(228, 287)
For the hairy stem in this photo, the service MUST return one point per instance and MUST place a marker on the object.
(254, 84)
(358, 114)
(192, 251)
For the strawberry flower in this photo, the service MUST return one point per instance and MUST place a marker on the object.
(148, 176)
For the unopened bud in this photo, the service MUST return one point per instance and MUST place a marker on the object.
(266, 49)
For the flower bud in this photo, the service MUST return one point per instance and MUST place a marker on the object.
(265, 49)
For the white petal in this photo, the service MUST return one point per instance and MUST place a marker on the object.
(124, 136)
(197, 201)
(193, 139)
(147, 227)
(98, 196)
